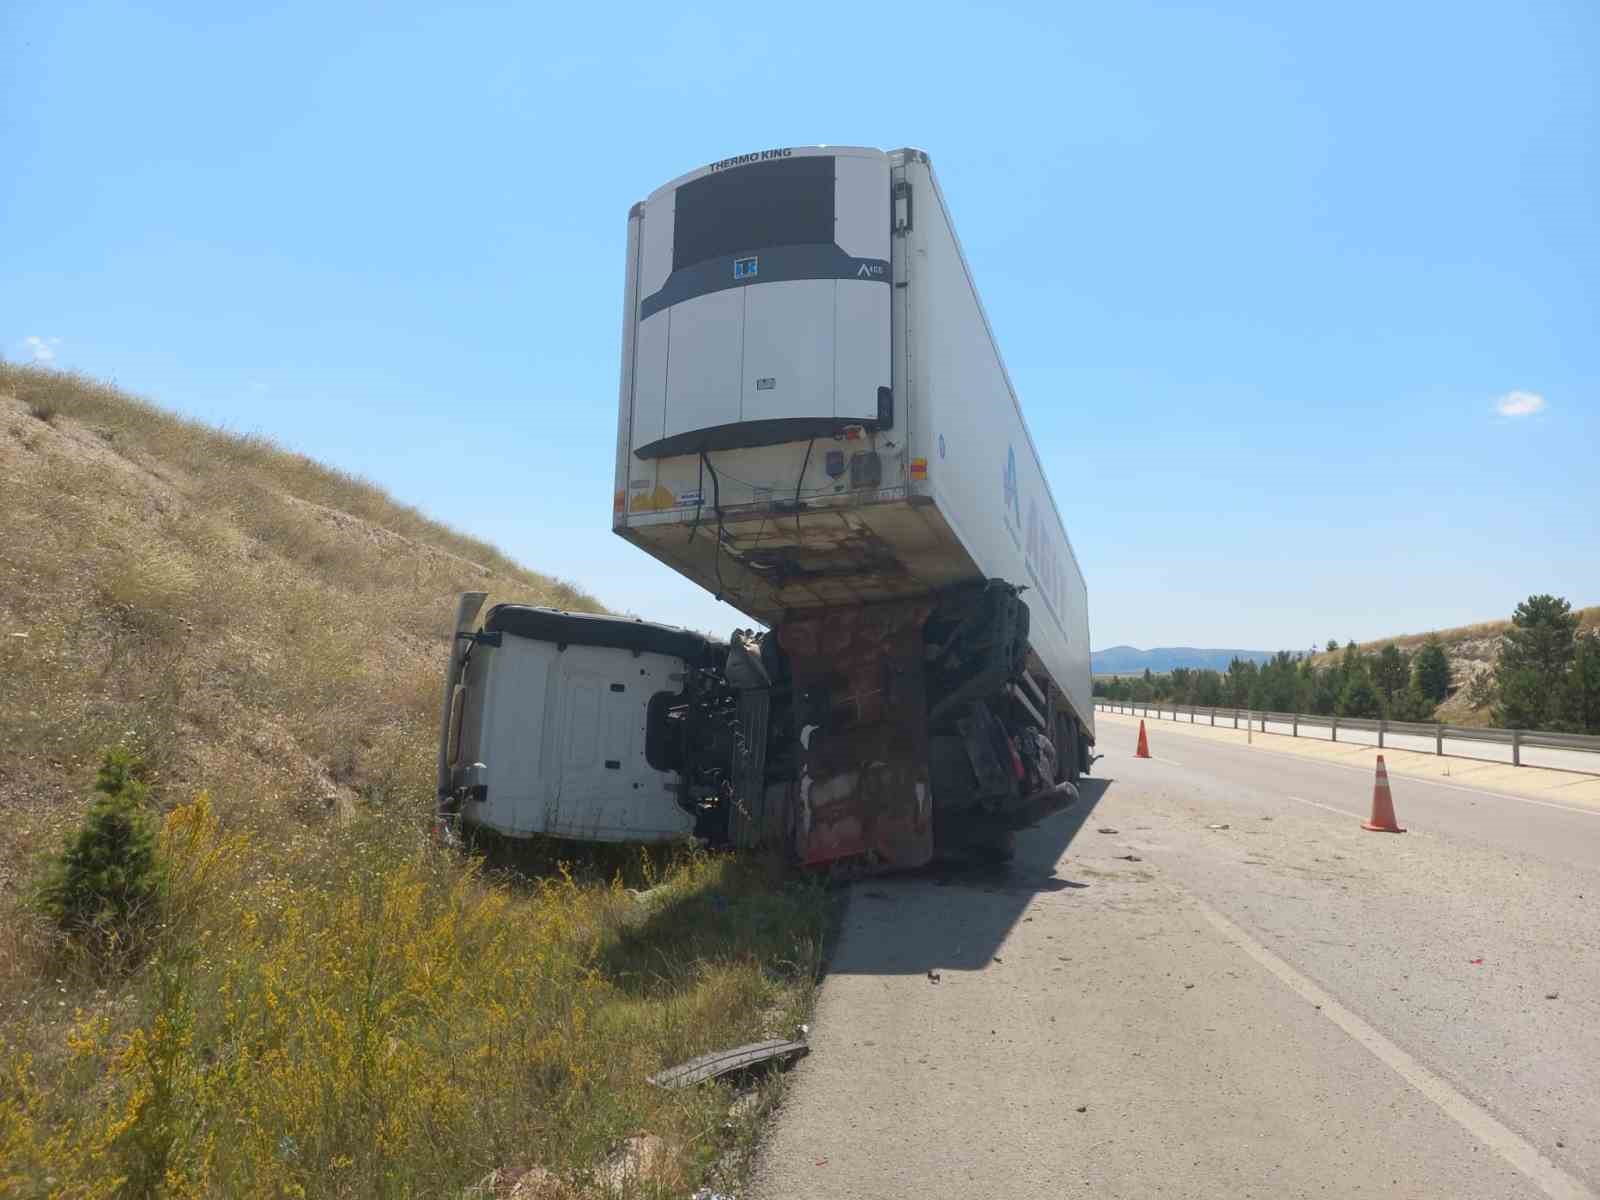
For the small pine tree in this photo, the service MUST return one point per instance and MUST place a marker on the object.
(107, 879)
(1360, 698)
(1411, 705)
(1581, 696)
(1391, 670)
(1430, 673)
(1535, 654)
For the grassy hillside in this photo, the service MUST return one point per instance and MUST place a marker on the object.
(323, 1004)
(1471, 650)
(267, 627)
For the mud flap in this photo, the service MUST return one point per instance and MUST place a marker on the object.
(863, 791)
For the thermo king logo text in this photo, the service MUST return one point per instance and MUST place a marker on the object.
(740, 160)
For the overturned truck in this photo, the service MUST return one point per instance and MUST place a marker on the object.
(815, 426)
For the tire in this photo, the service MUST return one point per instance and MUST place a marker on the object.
(1069, 750)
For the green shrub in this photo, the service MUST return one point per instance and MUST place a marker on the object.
(1411, 705)
(106, 882)
(1359, 698)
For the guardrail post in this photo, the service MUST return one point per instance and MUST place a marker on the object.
(1381, 725)
(1213, 718)
(1295, 731)
(1236, 718)
(1438, 739)
(1335, 727)
(1516, 747)
(1191, 714)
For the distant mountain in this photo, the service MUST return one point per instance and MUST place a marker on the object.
(1130, 660)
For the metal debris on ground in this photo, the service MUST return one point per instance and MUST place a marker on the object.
(1083, 1108)
(1130, 858)
(1106, 829)
(1551, 996)
(724, 1062)
(1219, 826)
(933, 977)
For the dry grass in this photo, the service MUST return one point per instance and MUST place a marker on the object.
(368, 1016)
(272, 632)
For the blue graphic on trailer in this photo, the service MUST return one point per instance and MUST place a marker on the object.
(1012, 501)
(745, 268)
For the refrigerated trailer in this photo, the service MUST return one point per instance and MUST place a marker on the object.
(816, 426)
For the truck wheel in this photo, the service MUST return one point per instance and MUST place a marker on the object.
(1069, 753)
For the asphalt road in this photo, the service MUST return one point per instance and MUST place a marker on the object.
(1285, 1006)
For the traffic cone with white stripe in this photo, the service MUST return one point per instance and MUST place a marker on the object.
(1144, 744)
(1382, 819)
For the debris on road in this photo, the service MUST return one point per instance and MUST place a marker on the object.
(1551, 996)
(1266, 818)
(1130, 857)
(1477, 962)
(1187, 986)
(1223, 826)
(998, 959)
(724, 1062)
(1106, 829)
(1083, 1108)
(933, 976)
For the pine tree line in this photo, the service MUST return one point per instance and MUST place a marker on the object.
(1546, 676)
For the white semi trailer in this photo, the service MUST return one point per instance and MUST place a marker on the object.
(816, 426)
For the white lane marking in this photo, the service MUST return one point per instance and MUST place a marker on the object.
(1319, 804)
(1516, 1150)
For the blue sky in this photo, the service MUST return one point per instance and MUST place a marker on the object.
(1262, 273)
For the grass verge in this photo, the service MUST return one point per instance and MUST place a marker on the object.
(381, 1018)
(326, 1005)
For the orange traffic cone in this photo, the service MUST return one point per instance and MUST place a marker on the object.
(1144, 744)
(1382, 819)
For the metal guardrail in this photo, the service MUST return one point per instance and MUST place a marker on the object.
(1517, 739)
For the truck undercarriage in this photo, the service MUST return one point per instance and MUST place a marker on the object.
(879, 735)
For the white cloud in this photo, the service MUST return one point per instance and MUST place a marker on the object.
(1519, 404)
(43, 349)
